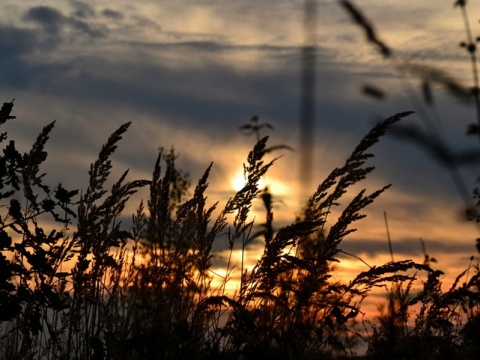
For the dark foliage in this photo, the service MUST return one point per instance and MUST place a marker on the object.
(152, 291)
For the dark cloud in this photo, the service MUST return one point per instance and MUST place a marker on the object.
(82, 10)
(53, 23)
(112, 14)
(85, 28)
(17, 47)
(48, 18)
(19, 67)
(15, 42)
(405, 248)
(142, 21)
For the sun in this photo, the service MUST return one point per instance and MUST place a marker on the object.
(238, 182)
(277, 187)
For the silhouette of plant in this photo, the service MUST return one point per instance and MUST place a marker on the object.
(148, 292)
(438, 316)
(152, 292)
(430, 138)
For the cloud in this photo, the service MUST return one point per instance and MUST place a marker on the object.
(113, 14)
(20, 64)
(82, 10)
(29, 54)
(47, 17)
(55, 24)
(405, 248)
(17, 67)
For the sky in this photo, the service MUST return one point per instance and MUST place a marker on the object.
(189, 73)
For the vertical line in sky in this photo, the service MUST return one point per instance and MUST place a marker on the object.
(307, 96)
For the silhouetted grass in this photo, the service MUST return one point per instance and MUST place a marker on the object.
(150, 292)
(75, 283)
(430, 324)
(430, 137)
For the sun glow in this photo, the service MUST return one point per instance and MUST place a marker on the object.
(239, 181)
(274, 186)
